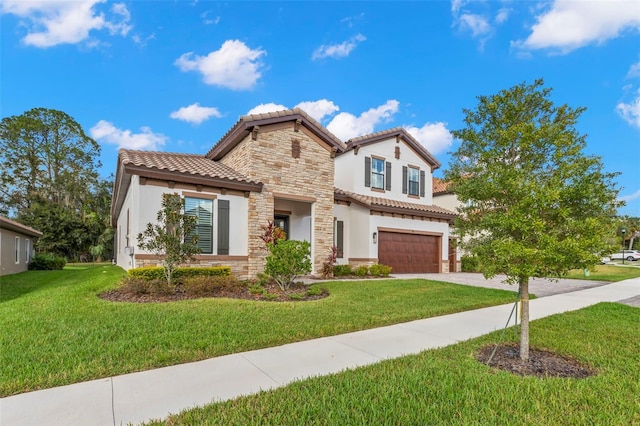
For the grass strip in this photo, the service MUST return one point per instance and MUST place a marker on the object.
(448, 386)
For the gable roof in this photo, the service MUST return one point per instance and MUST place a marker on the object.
(14, 226)
(387, 205)
(440, 187)
(187, 168)
(397, 132)
(248, 123)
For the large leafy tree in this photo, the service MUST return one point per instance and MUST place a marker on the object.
(49, 180)
(534, 204)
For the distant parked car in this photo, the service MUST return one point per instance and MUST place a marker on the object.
(605, 259)
(627, 255)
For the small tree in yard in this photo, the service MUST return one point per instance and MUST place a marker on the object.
(172, 238)
(534, 205)
(287, 260)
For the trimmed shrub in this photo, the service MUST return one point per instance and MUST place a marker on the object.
(157, 272)
(378, 270)
(288, 260)
(361, 271)
(341, 270)
(47, 262)
(209, 285)
(470, 264)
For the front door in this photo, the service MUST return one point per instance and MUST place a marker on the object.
(282, 222)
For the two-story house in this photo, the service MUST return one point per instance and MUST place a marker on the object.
(371, 196)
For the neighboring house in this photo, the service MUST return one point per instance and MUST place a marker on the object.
(445, 198)
(16, 246)
(371, 197)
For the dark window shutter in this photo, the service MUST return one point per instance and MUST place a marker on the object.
(422, 182)
(340, 238)
(367, 172)
(404, 179)
(223, 226)
(387, 176)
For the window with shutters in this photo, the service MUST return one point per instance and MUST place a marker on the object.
(377, 173)
(413, 181)
(202, 210)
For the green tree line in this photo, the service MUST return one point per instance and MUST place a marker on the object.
(49, 180)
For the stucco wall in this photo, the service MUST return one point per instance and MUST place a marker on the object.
(8, 264)
(350, 170)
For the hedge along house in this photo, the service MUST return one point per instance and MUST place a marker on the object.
(286, 167)
(16, 246)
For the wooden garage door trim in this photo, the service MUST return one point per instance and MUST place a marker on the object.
(410, 231)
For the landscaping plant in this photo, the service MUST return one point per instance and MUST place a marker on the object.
(287, 260)
(172, 237)
(533, 204)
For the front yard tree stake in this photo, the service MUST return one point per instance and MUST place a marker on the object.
(172, 238)
(533, 204)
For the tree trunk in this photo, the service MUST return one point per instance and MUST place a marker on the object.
(524, 321)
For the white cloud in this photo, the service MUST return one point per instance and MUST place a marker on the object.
(477, 24)
(630, 111)
(234, 66)
(318, 109)
(264, 108)
(433, 136)
(106, 132)
(346, 125)
(208, 20)
(569, 25)
(502, 15)
(630, 197)
(195, 113)
(338, 51)
(53, 22)
(634, 70)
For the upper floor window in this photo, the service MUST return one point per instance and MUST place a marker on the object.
(377, 173)
(413, 181)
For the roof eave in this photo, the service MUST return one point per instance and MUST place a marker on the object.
(246, 124)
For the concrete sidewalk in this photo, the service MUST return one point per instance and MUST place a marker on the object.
(154, 394)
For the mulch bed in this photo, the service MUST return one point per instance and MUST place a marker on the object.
(541, 363)
(274, 294)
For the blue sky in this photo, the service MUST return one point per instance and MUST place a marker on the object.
(176, 75)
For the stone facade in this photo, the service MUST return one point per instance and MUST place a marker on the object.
(305, 175)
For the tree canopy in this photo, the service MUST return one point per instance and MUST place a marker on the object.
(49, 180)
(534, 204)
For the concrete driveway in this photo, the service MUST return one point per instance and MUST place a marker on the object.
(538, 286)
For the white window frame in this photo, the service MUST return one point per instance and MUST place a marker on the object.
(27, 255)
(375, 173)
(415, 170)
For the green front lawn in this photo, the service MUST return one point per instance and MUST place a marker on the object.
(56, 331)
(448, 386)
(606, 273)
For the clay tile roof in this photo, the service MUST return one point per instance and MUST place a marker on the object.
(192, 164)
(247, 122)
(395, 206)
(440, 186)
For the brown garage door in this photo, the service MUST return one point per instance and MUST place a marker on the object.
(409, 253)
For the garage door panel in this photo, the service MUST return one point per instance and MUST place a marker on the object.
(409, 253)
